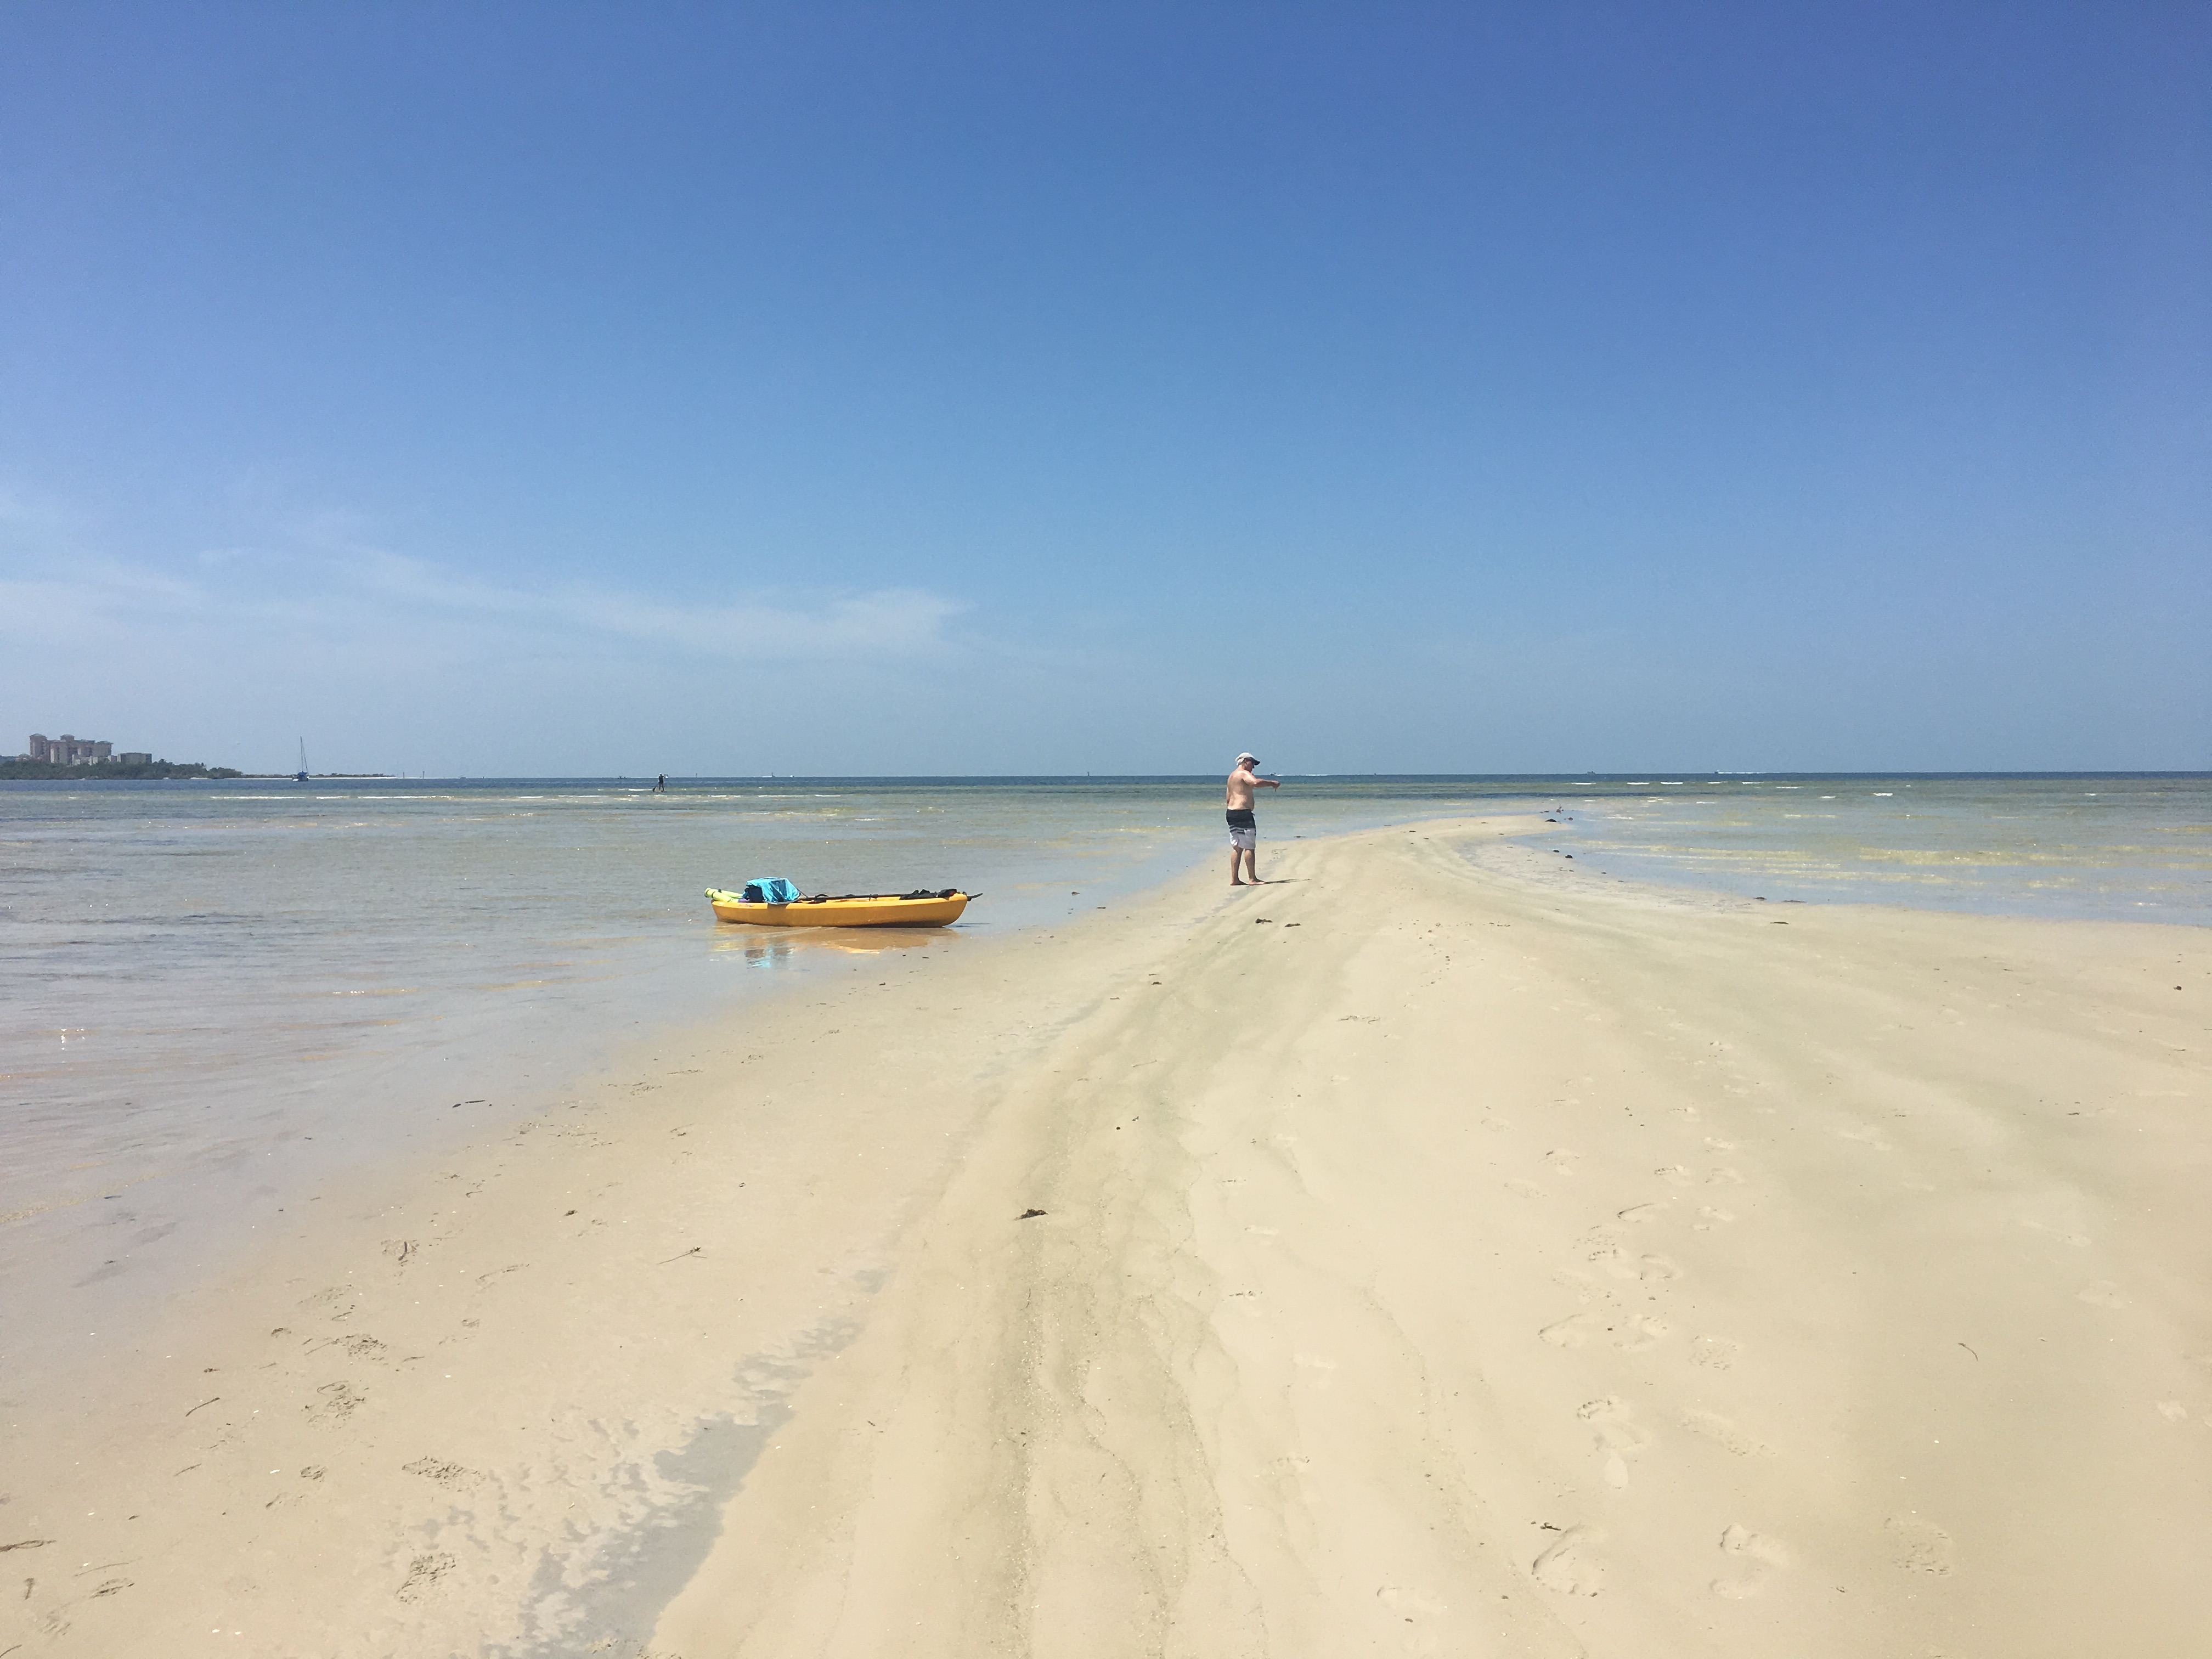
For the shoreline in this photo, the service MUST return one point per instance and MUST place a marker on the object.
(1347, 1268)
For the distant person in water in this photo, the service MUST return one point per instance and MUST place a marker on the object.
(660, 785)
(1243, 831)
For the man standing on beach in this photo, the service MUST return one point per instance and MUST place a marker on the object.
(1243, 831)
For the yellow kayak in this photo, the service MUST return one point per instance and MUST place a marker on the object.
(851, 910)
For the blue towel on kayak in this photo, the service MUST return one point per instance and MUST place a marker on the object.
(771, 890)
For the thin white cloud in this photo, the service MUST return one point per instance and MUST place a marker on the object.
(905, 622)
(345, 595)
(385, 661)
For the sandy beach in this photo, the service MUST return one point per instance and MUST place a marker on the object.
(1410, 1256)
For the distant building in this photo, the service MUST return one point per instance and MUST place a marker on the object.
(133, 757)
(68, 751)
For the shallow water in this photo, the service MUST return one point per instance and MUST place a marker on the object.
(2129, 848)
(216, 998)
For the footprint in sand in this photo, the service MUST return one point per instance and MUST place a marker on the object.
(1718, 1145)
(2174, 1411)
(1618, 1439)
(1572, 1331)
(1919, 1546)
(1716, 1353)
(2103, 1293)
(1568, 1566)
(424, 1574)
(1526, 1189)
(1674, 1175)
(1561, 1159)
(1724, 1178)
(1641, 1269)
(337, 1301)
(1754, 1559)
(1721, 1431)
(452, 1476)
(1645, 1212)
(1865, 1137)
(339, 1401)
(1632, 1333)
(1708, 1218)
(1614, 1261)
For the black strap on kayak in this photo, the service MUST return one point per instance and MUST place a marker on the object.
(918, 893)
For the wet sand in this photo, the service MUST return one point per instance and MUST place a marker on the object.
(1405, 1257)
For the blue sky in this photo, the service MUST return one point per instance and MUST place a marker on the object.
(582, 389)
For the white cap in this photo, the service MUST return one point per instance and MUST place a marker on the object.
(1248, 755)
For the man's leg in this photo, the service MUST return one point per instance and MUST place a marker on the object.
(1252, 863)
(1235, 857)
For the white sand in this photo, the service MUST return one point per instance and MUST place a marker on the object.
(1447, 1264)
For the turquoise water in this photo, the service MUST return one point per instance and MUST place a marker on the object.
(213, 995)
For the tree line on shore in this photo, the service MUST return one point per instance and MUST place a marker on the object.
(94, 771)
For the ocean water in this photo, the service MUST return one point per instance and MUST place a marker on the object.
(214, 997)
